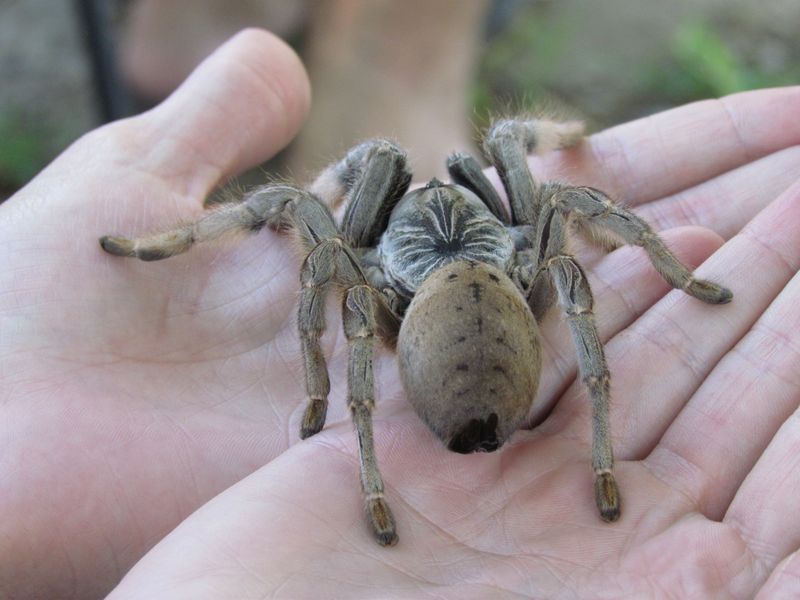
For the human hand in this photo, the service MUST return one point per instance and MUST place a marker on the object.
(177, 379)
(126, 393)
(701, 404)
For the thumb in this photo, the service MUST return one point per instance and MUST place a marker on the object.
(239, 107)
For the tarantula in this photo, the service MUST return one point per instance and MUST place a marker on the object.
(450, 278)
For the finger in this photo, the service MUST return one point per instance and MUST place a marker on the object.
(661, 360)
(625, 285)
(663, 154)
(782, 582)
(726, 203)
(239, 107)
(764, 510)
(248, 541)
(728, 422)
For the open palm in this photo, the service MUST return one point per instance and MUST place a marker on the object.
(132, 394)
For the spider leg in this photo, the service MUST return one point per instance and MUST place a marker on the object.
(332, 263)
(601, 217)
(507, 145)
(575, 298)
(281, 207)
(277, 206)
(359, 327)
(316, 274)
(534, 283)
(465, 170)
(373, 177)
(371, 264)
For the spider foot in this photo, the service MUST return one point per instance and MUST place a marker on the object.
(118, 246)
(382, 521)
(313, 417)
(708, 292)
(148, 249)
(606, 495)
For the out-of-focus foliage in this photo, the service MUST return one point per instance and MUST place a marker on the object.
(607, 61)
(22, 153)
(706, 65)
(617, 60)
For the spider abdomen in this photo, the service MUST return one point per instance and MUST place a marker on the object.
(470, 356)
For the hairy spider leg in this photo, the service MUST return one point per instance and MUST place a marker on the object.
(602, 218)
(329, 263)
(371, 178)
(332, 262)
(507, 145)
(465, 170)
(551, 209)
(358, 315)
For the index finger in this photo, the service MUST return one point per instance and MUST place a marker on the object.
(659, 155)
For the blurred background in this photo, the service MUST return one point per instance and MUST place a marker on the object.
(426, 72)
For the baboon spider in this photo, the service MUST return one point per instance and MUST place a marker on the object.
(452, 279)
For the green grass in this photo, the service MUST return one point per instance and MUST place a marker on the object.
(22, 151)
(707, 65)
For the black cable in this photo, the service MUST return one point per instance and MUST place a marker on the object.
(114, 100)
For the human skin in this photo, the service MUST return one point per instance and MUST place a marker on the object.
(149, 413)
